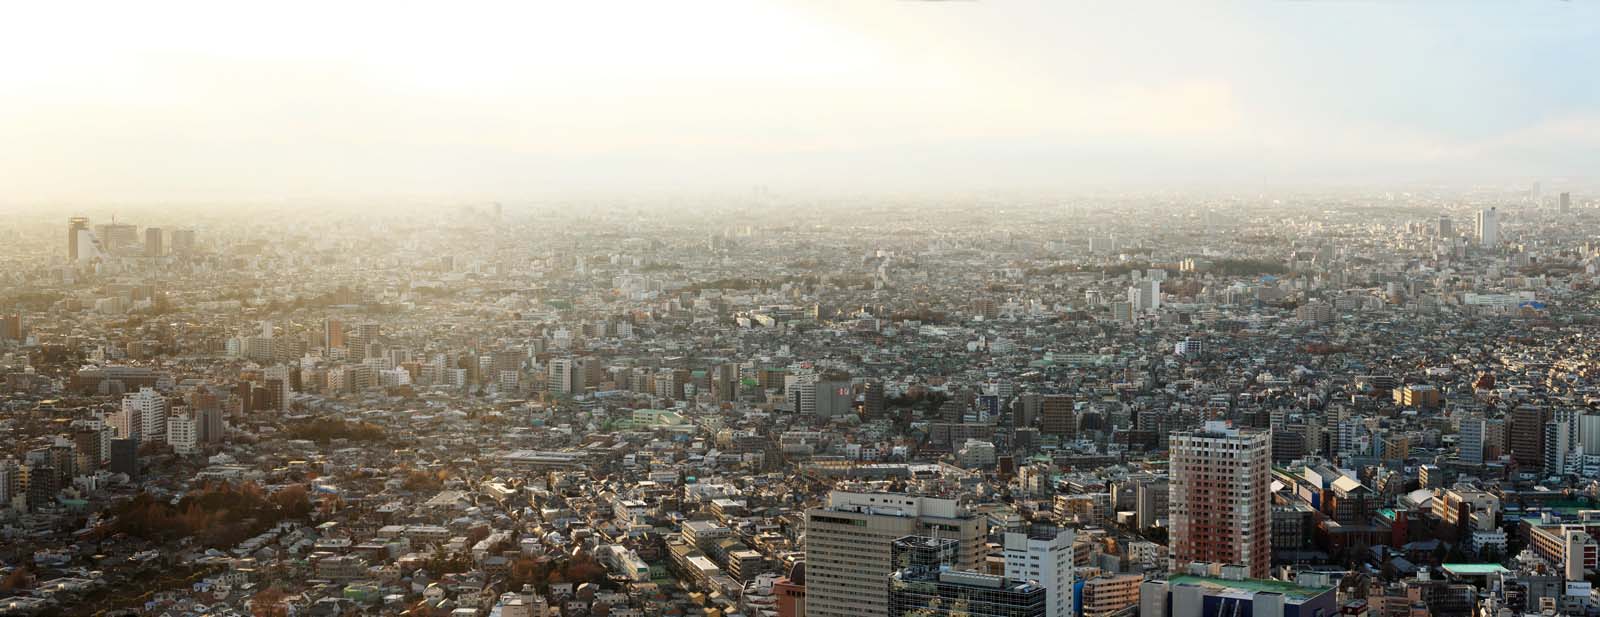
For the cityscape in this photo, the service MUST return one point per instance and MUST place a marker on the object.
(917, 393)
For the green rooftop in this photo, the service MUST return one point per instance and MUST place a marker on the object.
(1474, 569)
(1255, 585)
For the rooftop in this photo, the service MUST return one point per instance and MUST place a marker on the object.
(1292, 591)
(1474, 569)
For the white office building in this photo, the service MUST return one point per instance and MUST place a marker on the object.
(1046, 561)
(1488, 227)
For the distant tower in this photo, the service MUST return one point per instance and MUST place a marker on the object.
(152, 242)
(1488, 226)
(332, 333)
(75, 225)
(1566, 202)
(182, 241)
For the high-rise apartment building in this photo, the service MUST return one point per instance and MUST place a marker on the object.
(560, 375)
(1058, 416)
(143, 416)
(1560, 439)
(182, 433)
(332, 333)
(848, 541)
(1525, 434)
(1220, 503)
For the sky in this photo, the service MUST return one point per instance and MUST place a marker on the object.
(360, 101)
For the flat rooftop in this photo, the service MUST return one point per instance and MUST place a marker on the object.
(1474, 569)
(1254, 585)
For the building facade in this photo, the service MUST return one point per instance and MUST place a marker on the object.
(1220, 502)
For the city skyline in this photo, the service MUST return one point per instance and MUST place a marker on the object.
(800, 308)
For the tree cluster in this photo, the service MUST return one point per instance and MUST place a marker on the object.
(541, 573)
(218, 515)
(324, 430)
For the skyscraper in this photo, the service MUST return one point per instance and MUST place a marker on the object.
(152, 242)
(1220, 502)
(1488, 226)
(74, 225)
(116, 236)
(848, 542)
(1566, 201)
(182, 241)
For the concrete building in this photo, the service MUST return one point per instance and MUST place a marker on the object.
(152, 242)
(1045, 559)
(1145, 296)
(1220, 502)
(1108, 595)
(1469, 440)
(182, 433)
(1058, 417)
(1233, 595)
(143, 416)
(1525, 437)
(933, 592)
(847, 546)
(125, 457)
(1488, 227)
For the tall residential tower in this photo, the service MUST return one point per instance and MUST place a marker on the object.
(1221, 501)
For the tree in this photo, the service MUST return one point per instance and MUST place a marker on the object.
(269, 602)
(18, 579)
(292, 502)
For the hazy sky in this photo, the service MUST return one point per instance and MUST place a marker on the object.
(188, 102)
